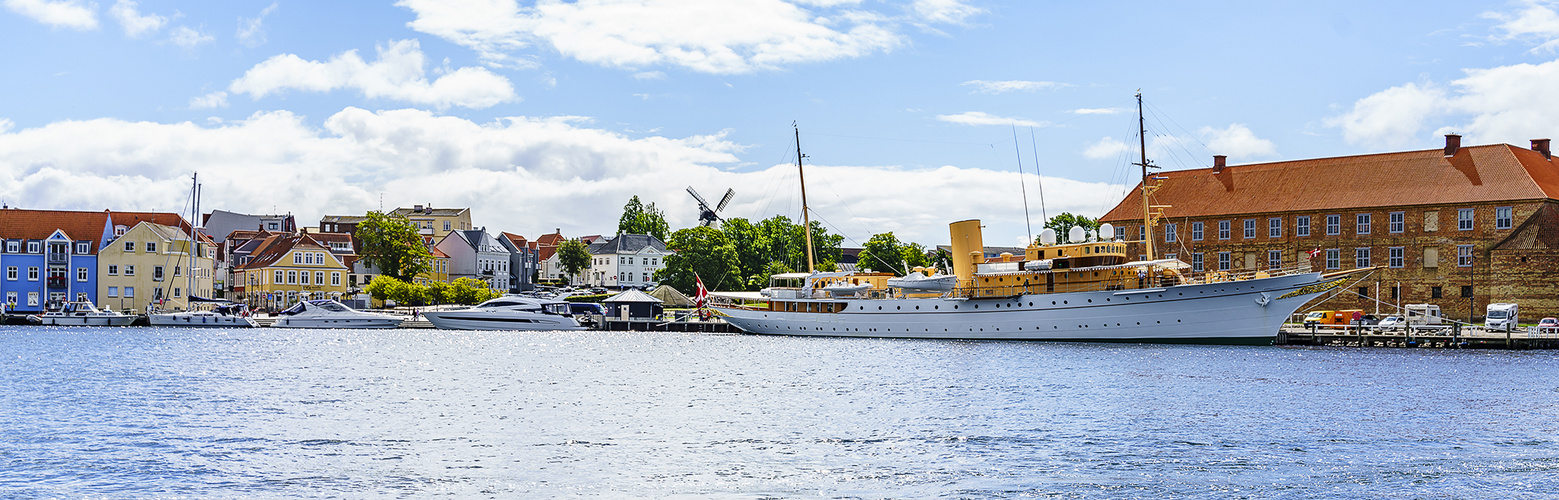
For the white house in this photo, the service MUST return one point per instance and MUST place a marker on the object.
(626, 260)
(476, 254)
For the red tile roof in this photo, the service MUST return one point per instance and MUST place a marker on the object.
(277, 246)
(1476, 174)
(78, 225)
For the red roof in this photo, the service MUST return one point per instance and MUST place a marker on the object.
(1475, 174)
(80, 226)
(277, 246)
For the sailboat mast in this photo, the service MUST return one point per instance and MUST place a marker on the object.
(806, 218)
(189, 269)
(1147, 218)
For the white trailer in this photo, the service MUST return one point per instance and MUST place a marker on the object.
(1501, 317)
(1422, 314)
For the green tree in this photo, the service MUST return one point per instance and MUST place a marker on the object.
(882, 253)
(574, 256)
(439, 292)
(388, 288)
(915, 255)
(1064, 223)
(639, 218)
(753, 254)
(390, 243)
(786, 242)
(703, 252)
(470, 291)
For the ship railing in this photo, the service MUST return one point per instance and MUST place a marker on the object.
(1232, 275)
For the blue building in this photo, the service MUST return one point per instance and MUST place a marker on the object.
(50, 256)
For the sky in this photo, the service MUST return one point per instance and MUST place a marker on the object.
(549, 115)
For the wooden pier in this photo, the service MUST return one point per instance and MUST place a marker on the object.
(1446, 337)
(651, 325)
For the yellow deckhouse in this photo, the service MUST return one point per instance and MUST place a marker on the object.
(154, 264)
(287, 268)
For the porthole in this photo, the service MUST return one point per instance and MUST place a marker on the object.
(1090, 301)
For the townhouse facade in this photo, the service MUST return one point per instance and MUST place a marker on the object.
(283, 269)
(524, 262)
(436, 222)
(626, 260)
(478, 255)
(1459, 228)
(49, 257)
(155, 266)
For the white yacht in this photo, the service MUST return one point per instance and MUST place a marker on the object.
(82, 313)
(328, 313)
(507, 313)
(223, 316)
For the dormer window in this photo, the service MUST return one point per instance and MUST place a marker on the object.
(83, 248)
(13, 246)
(34, 247)
(120, 230)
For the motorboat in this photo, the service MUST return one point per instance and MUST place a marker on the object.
(329, 313)
(918, 282)
(845, 289)
(509, 312)
(82, 313)
(223, 316)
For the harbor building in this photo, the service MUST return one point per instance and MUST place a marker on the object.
(626, 260)
(150, 265)
(1458, 227)
(278, 270)
(436, 222)
(51, 256)
(476, 254)
(523, 262)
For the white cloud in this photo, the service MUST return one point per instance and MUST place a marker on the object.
(216, 99)
(982, 118)
(1390, 118)
(1105, 149)
(398, 74)
(520, 174)
(1537, 23)
(135, 24)
(708, 36)
(1237, 142)
(73, 14)
(251, 32)
(1099, 111)
(649, 75)
(990, 87)
(187, 37)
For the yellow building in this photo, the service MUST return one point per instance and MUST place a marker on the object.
(438, 268)
(436, 222)
(287, 268)
(152, 264)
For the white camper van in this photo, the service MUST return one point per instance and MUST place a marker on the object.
(1500, 317)
(1422, 314)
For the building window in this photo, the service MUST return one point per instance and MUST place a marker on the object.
(34, 247)
(81, 274)
(1223, 261)
(1250, 228)
(1275, 227)
(129, 292)
(1502, 219)
(82, 248)
(156, 273)
(13, 247)
(32, 274)
(1196, 261)
(1396, 292)
(1464, 219)
(151, 247)
(446, 225)
(113, 270)
(279, 277)
(113, 291)
(1397, 221)
(1274, 259)
(1223, 230)
(292, 277)
(297, 258)
(178, 271)
(129, 247)
(1463, 255)
(1120, 232)
(1142, 234)
(1361, 224)
(1361, 257)
(11, 273)
(1333, 258)
(1302, 226)
(1435, 293)
(1466, 291)
(335, 279)
(1196, 231)
(178, 292)
(1333, 225)
(272, 226)
(304, 278)
(1364, 291)
(319, 277)
(129, 270)
(1169, 232)
(1394, 257)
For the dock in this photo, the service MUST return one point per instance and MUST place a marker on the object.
(1444, 337)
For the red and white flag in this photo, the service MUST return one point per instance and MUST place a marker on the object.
(1315, 252)
(703, 293)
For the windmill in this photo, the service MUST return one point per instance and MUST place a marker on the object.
(708, 216)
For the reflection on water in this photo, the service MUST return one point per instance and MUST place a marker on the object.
(139, 412)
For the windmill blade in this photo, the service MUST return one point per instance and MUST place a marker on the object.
(700, 199)
(726, 199)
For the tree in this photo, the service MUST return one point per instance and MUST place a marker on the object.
(700, 252)
(1064, 222)
(470, 291)
(881, 253)
(390, 243)
(752, 253)
(574, 255)
(915, 255)
(638, 218)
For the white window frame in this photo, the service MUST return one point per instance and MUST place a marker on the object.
(129, 269)
(113, 292)
(1275, 227)
(1395, 257)
(34, 247)
(32, 273)
(1169, 232)
(129, 247)
(335, 278)
(1224, 261)
(1224, 231)
(1333, 258)
(129, 292)
(82, 248)
(1361, 224)
(279, 277)
(1464, 255)
(1361, 257)
(1250, 228)
(12, 273)
(151, 246)
(1465, 219)
(1274, 259)
(1396, 222)
(81, 274)
(1197, 262)
(1333, 224)
(1302, 226)
(13, 246)
(1502, 218)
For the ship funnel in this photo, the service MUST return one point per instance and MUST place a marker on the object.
(1047, 237)
(1107, 231)
(1076, 235)
(966, 241)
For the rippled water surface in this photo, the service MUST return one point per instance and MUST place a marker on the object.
(142, 413)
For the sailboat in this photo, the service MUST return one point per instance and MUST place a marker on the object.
(225, 314)
(1084, 290)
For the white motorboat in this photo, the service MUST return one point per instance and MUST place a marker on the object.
(223, 316)
(82, 313)
(918, 282)
(507, 313)
(328, 313)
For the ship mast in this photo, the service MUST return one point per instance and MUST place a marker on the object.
(1147, 216)
(806, 219)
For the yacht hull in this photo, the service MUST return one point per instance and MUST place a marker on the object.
(201, 321)
(372, 323)
(84, 320)
(487, 320)
(1239, 312)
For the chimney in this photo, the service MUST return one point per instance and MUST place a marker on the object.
(1219, 161)
(416, 209)
(1453, 143)
(1541, 146)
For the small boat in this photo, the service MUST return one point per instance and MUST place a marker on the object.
(509, 312)
(919, 282)
(328, 313)
(82, 313)
(223, 316)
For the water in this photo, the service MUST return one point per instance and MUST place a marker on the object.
(273, 413)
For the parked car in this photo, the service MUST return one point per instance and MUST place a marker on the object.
(1391, 322)
(1548, 323)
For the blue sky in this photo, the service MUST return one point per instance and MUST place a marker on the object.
(550, 114)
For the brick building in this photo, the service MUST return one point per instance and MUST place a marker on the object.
(1460, 227)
